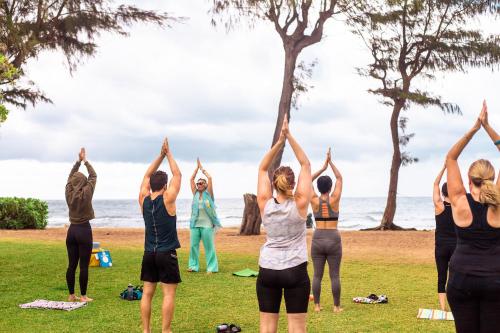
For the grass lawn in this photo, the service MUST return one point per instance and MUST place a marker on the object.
(33, 269)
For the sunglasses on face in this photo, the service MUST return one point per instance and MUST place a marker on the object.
(200, 184)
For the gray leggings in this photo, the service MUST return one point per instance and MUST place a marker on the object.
(326, 246)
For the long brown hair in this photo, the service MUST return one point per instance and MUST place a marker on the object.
(482, 175)
(284, 180)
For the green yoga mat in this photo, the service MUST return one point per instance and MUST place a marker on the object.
(247, 272)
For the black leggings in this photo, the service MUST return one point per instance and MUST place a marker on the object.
(475, 303)
(79, 247)
(443, 255)
(295, 283)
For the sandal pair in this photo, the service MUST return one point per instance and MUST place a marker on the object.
(227, 328)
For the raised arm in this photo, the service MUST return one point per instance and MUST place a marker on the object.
(304, 183)
(456, 189)
(193, 177)
(175, 183)
(264, 188)
(92, 180)
(145, 187)
(74, 169)
(76, 166)
(210, 187)
(337, 190)
(491, 132)
(323, 167)
(436, 193)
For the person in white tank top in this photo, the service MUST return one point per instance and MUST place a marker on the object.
(283, 258)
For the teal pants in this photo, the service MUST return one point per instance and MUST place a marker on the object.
(206, 235)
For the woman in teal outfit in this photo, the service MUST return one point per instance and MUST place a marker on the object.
(204, 222)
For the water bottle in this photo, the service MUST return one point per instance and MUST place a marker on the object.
(130, 292)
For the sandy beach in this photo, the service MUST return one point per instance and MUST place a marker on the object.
(387, 246)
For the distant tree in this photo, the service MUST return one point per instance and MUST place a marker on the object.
(28, 28)
(297, 29)
(411, 40)
(8, 76)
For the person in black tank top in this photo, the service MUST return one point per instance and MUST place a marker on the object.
(159, 263)
(473, 289)
(445, 236)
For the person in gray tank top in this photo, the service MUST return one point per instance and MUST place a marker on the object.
(283, 258)
(326, 244)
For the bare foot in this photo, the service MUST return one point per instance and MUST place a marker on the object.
(317, 308)
(311, 297)
(210, 273)
(72, 298)
(86, 299)
(337, 309)
(190, 270)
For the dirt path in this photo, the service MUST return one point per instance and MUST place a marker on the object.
(387, 246)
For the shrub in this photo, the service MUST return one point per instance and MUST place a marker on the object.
(20, 213)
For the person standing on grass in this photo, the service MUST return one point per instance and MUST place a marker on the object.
(445, 237)
(159, 263)
(283, 258)
(79, 193)
(326, 243)
(203, 223)
(473, 289)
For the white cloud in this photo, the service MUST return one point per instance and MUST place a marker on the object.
(215, 94)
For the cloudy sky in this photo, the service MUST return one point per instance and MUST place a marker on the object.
(215, 95)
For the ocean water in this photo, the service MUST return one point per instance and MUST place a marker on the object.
(355, 213)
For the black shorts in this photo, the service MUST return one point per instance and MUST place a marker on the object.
(160, 267)
(293, 282)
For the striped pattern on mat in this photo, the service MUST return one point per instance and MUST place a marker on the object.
(434, 314)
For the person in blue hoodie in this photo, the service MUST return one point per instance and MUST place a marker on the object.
(204, 222)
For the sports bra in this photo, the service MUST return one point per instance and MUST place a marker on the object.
(325, 212)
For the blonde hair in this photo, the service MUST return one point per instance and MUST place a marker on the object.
(482, 174)
(284, 180)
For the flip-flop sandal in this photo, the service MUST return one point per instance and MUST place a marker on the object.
(234, 328)
(222, 328)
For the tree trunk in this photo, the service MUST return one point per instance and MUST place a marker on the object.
(390, 207)
(285, 103)
(250, 225)
(251, 215)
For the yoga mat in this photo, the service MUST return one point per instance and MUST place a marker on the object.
(434, 314)
(52, 305)
(247, 272)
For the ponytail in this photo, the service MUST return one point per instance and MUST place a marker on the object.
(489, 194)
(482, 174)
(284, 181)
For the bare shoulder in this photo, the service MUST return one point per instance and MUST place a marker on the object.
(494, 217)
(462, 214)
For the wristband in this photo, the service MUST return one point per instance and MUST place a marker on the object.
(497, 142)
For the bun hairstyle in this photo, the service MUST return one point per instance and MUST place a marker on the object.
(482, 174)
(284, 180)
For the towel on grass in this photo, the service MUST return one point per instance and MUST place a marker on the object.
(371, 299)
(52, 305)
(434, 314)
(247, 272)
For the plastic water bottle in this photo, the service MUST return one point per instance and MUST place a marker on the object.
(130, 292)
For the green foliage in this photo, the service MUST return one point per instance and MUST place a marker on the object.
(68, 26)
(19, 213)
(8, 76)
(417, 38)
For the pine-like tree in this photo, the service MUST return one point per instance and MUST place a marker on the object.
(293, 21)
(411, 40)
(29, 27)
